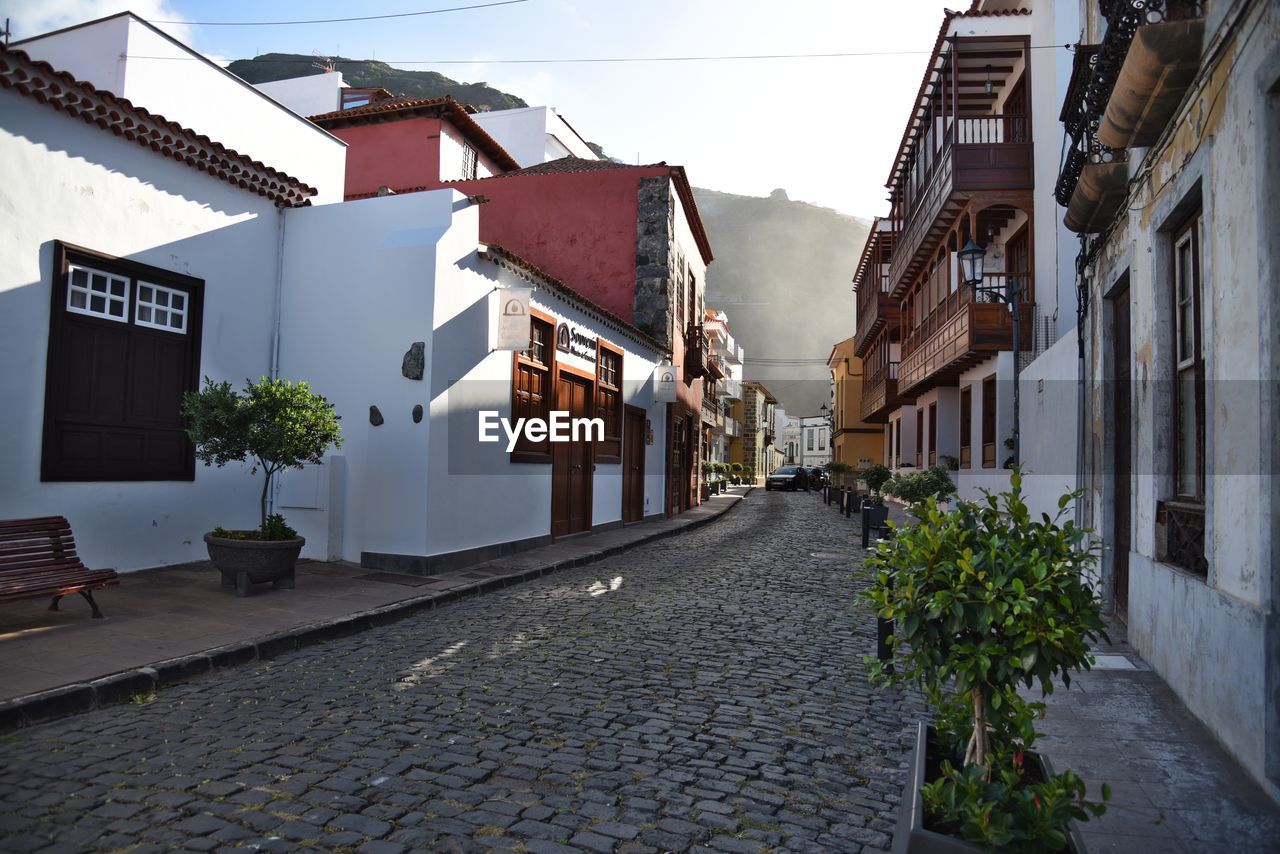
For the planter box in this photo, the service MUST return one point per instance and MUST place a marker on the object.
(911, 837)
(246, 562)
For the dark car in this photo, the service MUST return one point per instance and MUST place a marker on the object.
(818, 477)
(787, 477)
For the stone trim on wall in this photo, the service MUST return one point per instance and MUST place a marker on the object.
(653, 308)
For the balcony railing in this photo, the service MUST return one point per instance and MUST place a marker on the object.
(732, 427)
(695, 351)
(959, 332)
(986, 153)
(730, 389)
(879, 394)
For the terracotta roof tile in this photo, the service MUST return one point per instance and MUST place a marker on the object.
(405, 106)
(77, 98)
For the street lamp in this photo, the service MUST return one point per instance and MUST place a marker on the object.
(971, 260)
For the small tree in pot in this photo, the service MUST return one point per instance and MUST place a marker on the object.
(918, 487)
(274, 425)
(984, 599)
(875, 478)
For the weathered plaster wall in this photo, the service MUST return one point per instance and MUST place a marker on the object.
(70, 181)
(1050, 391)
(1213, 640)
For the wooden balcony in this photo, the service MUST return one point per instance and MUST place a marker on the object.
(985, 154)
(957, 335)
(874, 314)
(880, 395)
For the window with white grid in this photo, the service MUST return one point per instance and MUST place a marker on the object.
(161, 308)
(97, 294)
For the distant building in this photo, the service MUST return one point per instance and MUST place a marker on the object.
(535, 135)
(855, 442)
(759, 456)
(722, 394)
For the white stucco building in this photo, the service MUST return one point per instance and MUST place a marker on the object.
(132, 59)
(535, 135)
(101, 229)
(413, 475)
(144, 255)
(1172, 188)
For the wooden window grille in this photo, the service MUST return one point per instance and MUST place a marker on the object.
(531, 386)
(609, 402)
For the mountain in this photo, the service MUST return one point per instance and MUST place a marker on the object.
(783, 274)
(367, 73)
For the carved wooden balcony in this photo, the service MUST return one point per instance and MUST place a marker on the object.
(957, 335)
(880, 395)
(981, 154)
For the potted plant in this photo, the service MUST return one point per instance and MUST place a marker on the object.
(874, 513)
(983, 599)
(918, 487)
(275, 425)
(737, 469)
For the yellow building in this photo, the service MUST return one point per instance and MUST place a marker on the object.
(855, 442)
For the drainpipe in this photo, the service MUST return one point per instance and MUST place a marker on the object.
(275, 332)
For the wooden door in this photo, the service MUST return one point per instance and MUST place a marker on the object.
(571, 462)
(1123, 479)
(677, 470)
(633, 466)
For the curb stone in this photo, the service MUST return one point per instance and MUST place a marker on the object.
(116, 688)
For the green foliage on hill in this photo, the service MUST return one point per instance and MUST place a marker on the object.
(366, 73)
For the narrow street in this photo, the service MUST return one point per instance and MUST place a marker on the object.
(706, 689)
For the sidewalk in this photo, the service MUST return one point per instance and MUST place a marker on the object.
(1173, 788)
(168, 624)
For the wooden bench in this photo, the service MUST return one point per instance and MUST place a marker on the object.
(38, 559)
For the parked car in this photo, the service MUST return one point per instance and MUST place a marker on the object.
(787, 477)
(818, 477)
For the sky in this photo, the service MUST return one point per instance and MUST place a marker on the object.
(823, 129)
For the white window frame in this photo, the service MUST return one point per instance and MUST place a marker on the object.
(152, 307)
(89, 293)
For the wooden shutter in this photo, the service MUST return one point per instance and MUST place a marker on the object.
(115, 380)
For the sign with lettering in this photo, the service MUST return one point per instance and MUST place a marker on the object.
(513, 318)
(665, 378)
(572, 340)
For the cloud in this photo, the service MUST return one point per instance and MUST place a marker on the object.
(35, 17)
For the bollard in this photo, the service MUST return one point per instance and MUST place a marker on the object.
(866, 527)
(848, 504)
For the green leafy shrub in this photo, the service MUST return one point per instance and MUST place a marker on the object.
(838, 467)
(876, 477)
(917, 487)
(985, 599)
(274, 424)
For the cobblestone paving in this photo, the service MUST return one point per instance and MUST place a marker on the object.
(703, 692)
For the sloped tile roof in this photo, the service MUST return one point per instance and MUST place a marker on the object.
(40, 81)
(406, 106)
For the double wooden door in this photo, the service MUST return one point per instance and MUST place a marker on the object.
(572, 463)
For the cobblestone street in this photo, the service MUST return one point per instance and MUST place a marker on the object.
(705, 689)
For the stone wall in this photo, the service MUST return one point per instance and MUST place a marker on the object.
(653, 296)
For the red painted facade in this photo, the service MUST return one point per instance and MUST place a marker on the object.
(400, 154)
(579, 227)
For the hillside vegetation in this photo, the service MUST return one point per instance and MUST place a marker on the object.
(366, 73)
